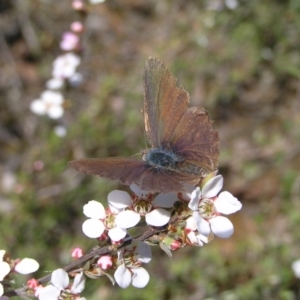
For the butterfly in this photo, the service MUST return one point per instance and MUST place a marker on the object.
(184, 147)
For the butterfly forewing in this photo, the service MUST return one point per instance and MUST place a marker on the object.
(127, 170)
(164, 103)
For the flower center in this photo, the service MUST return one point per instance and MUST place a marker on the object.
(142, 207)
(109, 221)
(207, 208)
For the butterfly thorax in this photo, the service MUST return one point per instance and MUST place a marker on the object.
(161, 158)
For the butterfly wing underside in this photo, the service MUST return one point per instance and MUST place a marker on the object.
(170, 124)
(129, 170)
(164, 103)
(125, 169)
(195, 140)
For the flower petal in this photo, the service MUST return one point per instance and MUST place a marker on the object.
(38, 107)
(52, 98)
(202, 225)
(158, 217)
(122, 276)
(191, 224)
(60, 279)
(296, 268)
(227, 204)
(93, 228)
(60, 131)
(54, 83)
(49, 292)
(119, 199)
(138, 191)
(212, 187)
(4, 269)
(195, 198)
(27, 266)
(2, 253)
(221, 227)
(55, 112)
(117, 234)
(94, 210)
(187, 192)
(1, 290)
(127, 219)
(165, 200)
(140, 277)
(144, 252)
(78, 284)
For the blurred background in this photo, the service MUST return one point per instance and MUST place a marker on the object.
(238, 59)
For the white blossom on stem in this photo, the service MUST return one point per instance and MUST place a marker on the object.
(64, 66)
(101, 219)
(60, 283)
(130, 270)
(49, 103)
(208, 207)
(22, 266)
(141, 204)
(296, 268)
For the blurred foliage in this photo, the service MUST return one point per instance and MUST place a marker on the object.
(242, 64)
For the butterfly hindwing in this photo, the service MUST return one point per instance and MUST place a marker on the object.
(195, 141)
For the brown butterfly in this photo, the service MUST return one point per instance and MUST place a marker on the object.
(184, 148)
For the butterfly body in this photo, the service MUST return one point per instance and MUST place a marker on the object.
(160, 158)
(184, 147)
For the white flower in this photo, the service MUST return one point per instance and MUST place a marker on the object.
(130, 271)
(26, 266)
(96, 1)
(69, 41)
(296, 268)
(207, 207)
(142, 204)
(60, 282)
(231, 4)
(195, 238)
(101, 220)
(76, 79)
(54, 83)
(4, 270)
(60, 131)
(65, 65)
(49, 103)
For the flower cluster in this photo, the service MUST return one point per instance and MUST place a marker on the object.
(175, 220)
(60, 287)
(125, 211)
(64, 70)
(8, 266)
(184, 219)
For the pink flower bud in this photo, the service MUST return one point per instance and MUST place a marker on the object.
(78, 5)
(77, 27)
(33, 283)
(175, 245)
(105, 262)
(77, 252)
